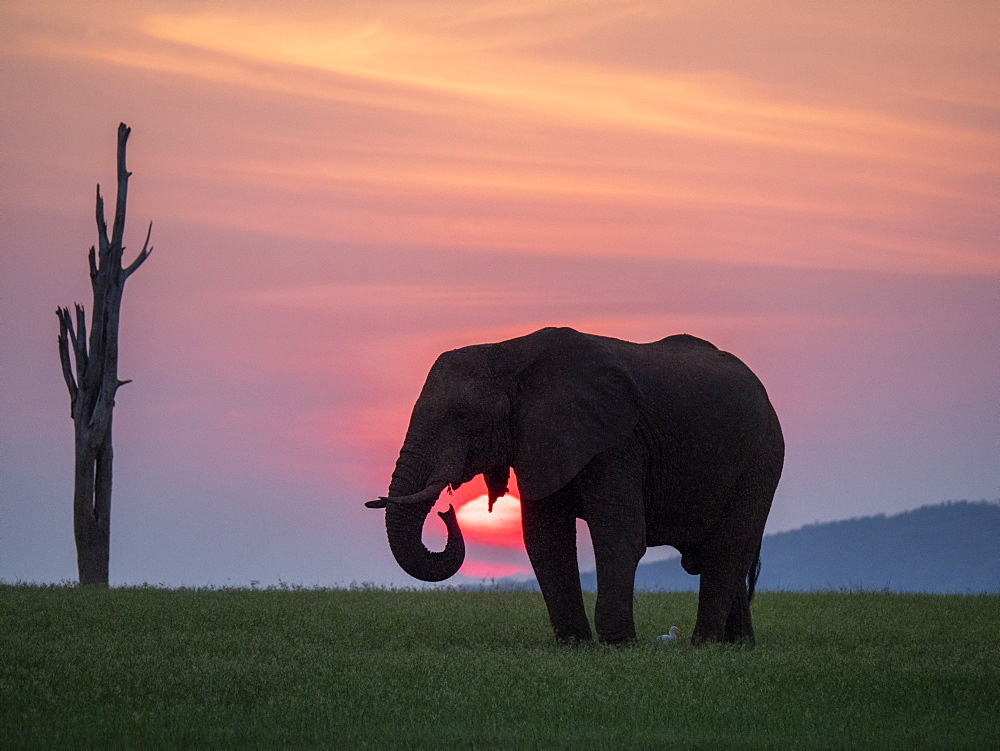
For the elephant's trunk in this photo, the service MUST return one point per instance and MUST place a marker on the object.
(404, 524)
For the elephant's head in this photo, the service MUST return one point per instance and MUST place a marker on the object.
(544, 404)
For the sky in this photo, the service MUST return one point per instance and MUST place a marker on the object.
(341, 191)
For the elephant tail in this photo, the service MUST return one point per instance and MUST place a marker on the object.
(752, 575)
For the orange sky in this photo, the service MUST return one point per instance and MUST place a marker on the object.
(340, 191)
(554, 126)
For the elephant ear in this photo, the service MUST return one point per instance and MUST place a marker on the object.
(575, 398)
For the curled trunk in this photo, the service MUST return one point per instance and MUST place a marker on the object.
(404, 527)
(404, 523)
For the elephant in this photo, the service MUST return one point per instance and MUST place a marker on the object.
(672, 442)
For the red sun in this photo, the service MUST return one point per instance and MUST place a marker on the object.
(501, 527)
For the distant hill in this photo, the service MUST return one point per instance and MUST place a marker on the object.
(946, 548)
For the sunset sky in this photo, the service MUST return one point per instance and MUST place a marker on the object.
(341, 191)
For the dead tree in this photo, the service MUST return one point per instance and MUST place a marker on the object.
(92, 390)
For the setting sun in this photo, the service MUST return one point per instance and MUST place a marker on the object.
(501, 527)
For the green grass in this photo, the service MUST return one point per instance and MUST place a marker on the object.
(369, 668)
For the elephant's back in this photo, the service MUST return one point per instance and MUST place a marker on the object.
(682, 342)
(683, 360)
(684, 379)
(705, 392)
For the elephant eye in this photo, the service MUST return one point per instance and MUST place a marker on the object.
(464, 418)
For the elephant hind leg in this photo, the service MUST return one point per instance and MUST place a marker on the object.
(729, 567)
(723, 609)
(739, 627)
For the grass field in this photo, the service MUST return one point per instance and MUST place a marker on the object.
(369, 668)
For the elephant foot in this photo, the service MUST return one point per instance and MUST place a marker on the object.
(622, 636)
(623, 642)
(573, 633)
(720, 636)
(573, 642)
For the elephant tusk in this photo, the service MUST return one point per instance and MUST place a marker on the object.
(430, 493)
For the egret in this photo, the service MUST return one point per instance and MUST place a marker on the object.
(671, 636)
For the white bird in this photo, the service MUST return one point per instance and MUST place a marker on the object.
(669, 637)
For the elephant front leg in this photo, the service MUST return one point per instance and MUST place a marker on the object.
(618, 546)
(611, 500)
(550, 538)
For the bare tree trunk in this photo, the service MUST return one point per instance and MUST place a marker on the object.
(93, 387)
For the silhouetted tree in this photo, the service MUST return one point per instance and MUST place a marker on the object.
(92, 390)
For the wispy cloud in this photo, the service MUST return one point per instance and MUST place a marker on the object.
(468, 60)
(605, 128)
